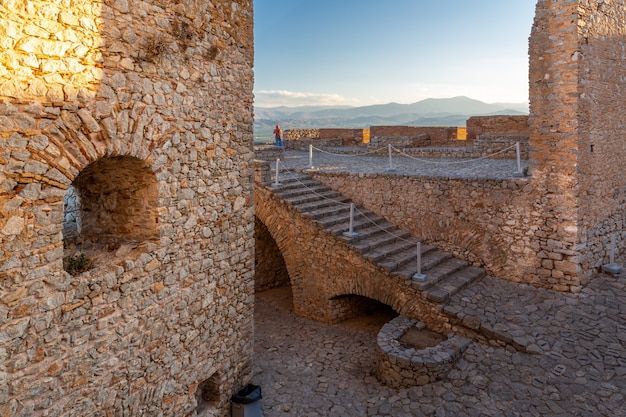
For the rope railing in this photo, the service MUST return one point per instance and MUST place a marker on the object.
(459, 162)
(372, 152)
(353, 208)
(391, 149)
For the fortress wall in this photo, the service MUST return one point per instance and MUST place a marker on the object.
(482, 220)
(479, 125)
(146, 110)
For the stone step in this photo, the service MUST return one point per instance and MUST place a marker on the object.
(438, 267)
(375, 235)
(400, 260)
(327, 211)
(303, 190)
(321, 204)
(287, 184)
(396, 246)
(443, 290)
(431, 269)
(340, 224)
(299, 200)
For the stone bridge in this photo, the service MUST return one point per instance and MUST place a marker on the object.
(334, 276)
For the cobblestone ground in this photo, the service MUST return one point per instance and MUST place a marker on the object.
(311, 369)
(577, 364)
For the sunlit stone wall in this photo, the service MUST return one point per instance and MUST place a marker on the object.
(152, 102)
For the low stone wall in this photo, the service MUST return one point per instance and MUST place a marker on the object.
(399, 366)
(269, 152)
(349, 137)
(480, 125)
(438, 135)
(298, 134)
(417, 141)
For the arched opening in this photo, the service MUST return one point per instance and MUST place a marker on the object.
(361, 311)
(112, 202)
(269, 264)
(208, 397)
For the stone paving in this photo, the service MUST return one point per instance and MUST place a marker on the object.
(403, 165)
(571, 361)
(311, 369)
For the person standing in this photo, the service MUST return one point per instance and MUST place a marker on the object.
(278, 135)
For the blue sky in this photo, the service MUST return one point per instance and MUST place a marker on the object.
(361, 52)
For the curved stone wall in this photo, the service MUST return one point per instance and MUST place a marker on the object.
(401, 366)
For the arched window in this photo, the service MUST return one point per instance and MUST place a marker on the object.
(113, 201)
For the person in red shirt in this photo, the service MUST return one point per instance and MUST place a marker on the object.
(278, 135)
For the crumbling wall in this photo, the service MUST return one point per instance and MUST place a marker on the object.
(145, 110)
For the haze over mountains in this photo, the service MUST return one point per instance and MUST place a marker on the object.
(429, 112)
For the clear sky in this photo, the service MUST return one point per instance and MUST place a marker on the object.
(361, 52)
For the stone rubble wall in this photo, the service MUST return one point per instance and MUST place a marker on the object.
(488, 222)
(163, 324)
(489, 125)
(299, 134)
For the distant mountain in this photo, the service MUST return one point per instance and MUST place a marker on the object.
(429, 112)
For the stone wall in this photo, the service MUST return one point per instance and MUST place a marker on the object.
(145, 110)
(576, 108)
(437, 135)
(496, 224)
(349, 137)
(489, 125)
(298, 134)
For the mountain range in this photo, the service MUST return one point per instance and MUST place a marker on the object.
(429, 112)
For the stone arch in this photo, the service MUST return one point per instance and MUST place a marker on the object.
(270, 270)
(347, 306)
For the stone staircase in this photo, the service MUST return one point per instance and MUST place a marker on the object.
(382, 243)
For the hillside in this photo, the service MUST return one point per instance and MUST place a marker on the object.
(429, 112)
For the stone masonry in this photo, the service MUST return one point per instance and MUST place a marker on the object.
(142, 114)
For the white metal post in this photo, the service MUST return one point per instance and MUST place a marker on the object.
(612, 254)
(391, 168)
(310, 156)
(276, 183)
(350, 232)
(418, 275)
(519, 158)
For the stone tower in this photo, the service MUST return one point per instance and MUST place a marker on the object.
(139, 115)
(577, 102)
